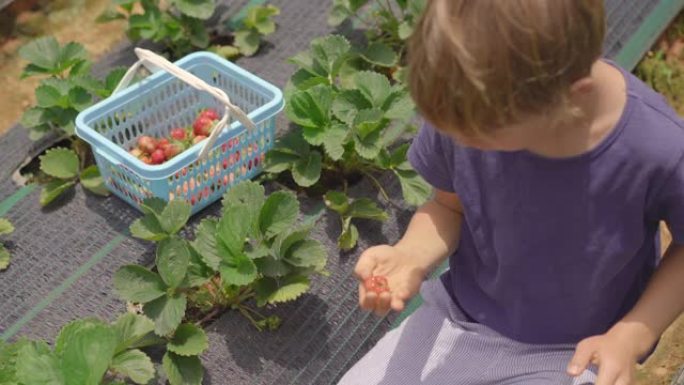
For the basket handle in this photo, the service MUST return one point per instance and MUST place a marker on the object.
(155, 62)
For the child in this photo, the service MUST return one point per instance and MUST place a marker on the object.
(552, 169)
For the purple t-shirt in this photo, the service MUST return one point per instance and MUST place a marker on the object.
(556, 250)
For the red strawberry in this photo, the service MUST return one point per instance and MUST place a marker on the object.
(210, 113)
(147, 144)
(158, 157)
(198, 139)
(172, 150)
(178, 133)
(203, 126)
(162, 143)
(376, 283)
(146, 159)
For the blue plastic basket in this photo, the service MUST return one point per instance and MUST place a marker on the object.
(161, 102)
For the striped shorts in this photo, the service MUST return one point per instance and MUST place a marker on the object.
(436, 345)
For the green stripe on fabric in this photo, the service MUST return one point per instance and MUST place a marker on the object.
(642, 40)
(9, 202)
(59, 290)
(234, 21)
(417, 300)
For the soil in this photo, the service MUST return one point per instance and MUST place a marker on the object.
(67, 20)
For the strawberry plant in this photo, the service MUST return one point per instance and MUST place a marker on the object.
(63, 169)
(86, 351)
(253, 251)
(180, 26)
(388, 24)
(349, 123)
(349, 209)
(5, 228)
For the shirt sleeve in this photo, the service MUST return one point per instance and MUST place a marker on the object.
(671, 203)
(430, 155)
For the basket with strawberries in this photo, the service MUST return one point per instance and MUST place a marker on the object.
(155, 151)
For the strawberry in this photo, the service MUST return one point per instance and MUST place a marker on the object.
(147, 144)
(210, 113)
(146, 159)
(376, 283)
(172, 150)
(198, 139)
(136, 152)
(202, 126)
(178, 133)
(158, 156)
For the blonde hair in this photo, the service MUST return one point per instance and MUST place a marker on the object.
(476, 65)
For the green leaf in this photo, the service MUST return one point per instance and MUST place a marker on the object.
(71, 54)
(5, 258)
(167, 313)
(338, 15)
(206, 243)
(271, 291)
(112, 80)
(247, 41)
(198, 272)
(366, 209)
(307, 253)
(271, 267)
(330, 52)
(278, 161)
(110, 14)
(368, 122)
(60, 163)
(6, 227)
(303, 79)
(348, 103)
(233, 228)
(278, 213)
(42, 52)
(248, 193)
(87, 353)
(79, 98)
(311, 108)
(182, 370)
(136, 284)
(259, 18)
(36, 365)
(135, 365)
(380, 54)
(334, 139)
(92, 180)
(200, 9)
(307, 171)
(131, 329)
(227, 51)
(199, 35)
(148, 228)
(241, 271)
(399, 106)
(48, 96)
(34, 117)
(370, 146)
(173, 258)
(174, 216)
(405, 30)
(415, 189)
(374, 86)
(154, 206)
(349, 236)
(337, 201)
(189, 340)
(53, 190)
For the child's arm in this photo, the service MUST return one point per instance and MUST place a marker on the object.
(432, 235)
(633, 337)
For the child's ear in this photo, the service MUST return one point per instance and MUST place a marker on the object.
(582, 86)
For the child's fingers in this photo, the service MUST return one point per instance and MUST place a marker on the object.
(382, 305)
(583, 355)
(368, 300)
(365, 266)
(607, 375)
(397, 304)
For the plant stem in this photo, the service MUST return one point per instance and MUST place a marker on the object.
(213, 313)
(249, 317)
(377, 184)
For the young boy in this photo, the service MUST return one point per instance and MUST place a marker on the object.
(552, 169)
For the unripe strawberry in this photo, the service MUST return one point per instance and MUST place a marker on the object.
(198, 139)
(136, 152)
(172, 150)
(147, 144)
(158, 157)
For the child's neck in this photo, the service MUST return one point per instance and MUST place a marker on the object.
(601, 107)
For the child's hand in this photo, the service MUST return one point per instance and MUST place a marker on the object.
(403, 276)
(615, 356)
